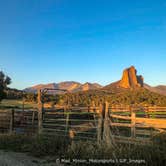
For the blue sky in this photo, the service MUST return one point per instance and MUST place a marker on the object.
(82, 40)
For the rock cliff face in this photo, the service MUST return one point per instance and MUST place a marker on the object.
(130, 79)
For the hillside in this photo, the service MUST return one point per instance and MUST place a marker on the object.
(139, 96)
(161, 89)
(131, 89)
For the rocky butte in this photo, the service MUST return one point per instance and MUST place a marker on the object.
(130, 79)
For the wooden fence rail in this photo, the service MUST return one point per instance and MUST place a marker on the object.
(103, 120)
(18, 121)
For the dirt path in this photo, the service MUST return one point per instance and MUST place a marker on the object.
(21, 159)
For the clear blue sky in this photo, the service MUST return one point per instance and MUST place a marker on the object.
(43, 41)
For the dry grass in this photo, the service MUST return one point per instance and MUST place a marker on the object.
(61, 147)
(7, 104)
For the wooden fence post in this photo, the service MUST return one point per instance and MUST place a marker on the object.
(40, 112)
(89, 108)
(67, 123)
(107, 131)
(93, 106)
(33, 118)
(11, 122)
(147, 112)
(93, 109)
(133, 116)
(100, 125)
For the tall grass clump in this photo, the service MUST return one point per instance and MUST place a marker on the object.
(39, 145)
(153, 154)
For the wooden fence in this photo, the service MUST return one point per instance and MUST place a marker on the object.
(77, 124)
(140, 123)
(105, 123)
(18, 121)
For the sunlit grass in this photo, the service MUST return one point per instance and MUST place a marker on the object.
(7, 104)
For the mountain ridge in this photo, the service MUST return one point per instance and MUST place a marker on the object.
(70, 86)
(129, 80)
(160, 89)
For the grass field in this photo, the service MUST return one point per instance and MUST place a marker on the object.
(7, 104)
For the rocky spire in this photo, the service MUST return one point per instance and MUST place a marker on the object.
(130, 78)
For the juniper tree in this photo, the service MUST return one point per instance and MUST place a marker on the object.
(4, 81)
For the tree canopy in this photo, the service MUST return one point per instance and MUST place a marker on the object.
(4, 81)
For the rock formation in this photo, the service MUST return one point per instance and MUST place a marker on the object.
(130, 79)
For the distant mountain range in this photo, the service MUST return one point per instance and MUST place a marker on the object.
(70, 86)
(161, 89)
(130, 80)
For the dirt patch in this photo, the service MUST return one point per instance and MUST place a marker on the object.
(22, 159)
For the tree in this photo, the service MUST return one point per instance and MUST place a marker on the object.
(30, 97)
(4, 81)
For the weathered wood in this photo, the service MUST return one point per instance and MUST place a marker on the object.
(121, 117)
(156, 123)
(11, 122)
(157, 109)
(133, 134)
(120, 124)
(48, 120)
(40, 112)
(144, 132)
(33, 118)
(23, 104)
(146, 112)
(74, 112)
(107, 131)
(100, 125)
(85, 127)
(67, 124)
(119, 110)
(129, 140)
(140, 126)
